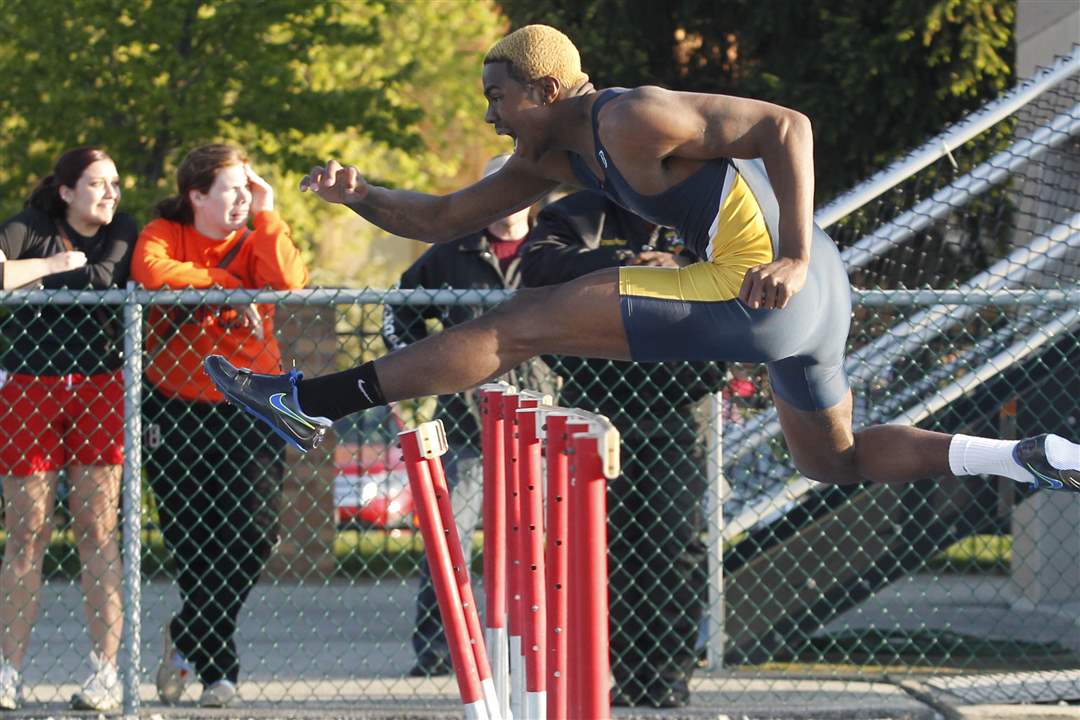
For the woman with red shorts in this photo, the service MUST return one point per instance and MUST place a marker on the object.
(62, 408)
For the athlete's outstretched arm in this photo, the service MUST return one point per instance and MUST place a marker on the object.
(431, 218)
(699, 126)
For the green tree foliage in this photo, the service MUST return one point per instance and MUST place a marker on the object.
(876, 77)
(383, 84)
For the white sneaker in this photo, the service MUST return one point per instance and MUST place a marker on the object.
(218, 695)
(174, 673)
(102, 690)
(10, 687)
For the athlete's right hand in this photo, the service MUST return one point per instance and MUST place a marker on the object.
(68, 260)
(336, 184)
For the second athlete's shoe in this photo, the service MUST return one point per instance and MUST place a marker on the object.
(271, 398)
(1030, 454)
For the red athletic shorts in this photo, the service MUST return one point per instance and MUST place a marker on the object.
(49, 422)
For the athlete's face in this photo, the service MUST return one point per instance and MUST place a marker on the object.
(514, 108)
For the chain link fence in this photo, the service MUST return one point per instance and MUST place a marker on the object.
(722, 557)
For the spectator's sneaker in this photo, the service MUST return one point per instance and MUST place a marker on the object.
(101, 691)
(1031, 454)
(10, 687)
(218, 695)
(175, 672)
(271, 398)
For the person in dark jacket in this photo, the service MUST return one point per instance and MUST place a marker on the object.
(656, 521)
(62, 407)
(484, 260)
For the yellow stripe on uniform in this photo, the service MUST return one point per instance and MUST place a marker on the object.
(739, 241)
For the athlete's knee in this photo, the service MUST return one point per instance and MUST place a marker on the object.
(828, 465)
(524, 321)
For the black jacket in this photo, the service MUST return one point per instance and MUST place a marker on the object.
(468, 264)
(62, 339)
(579, 234)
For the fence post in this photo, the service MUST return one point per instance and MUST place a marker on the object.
(715, 497)
(132, 513)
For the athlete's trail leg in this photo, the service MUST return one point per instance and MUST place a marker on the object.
(824, 447)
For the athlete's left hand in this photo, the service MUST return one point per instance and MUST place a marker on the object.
(772, 285)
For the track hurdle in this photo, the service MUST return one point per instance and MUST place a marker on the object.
(493, 450)
(582, 454)
(422, 449)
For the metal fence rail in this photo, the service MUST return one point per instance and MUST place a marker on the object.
(327, 553)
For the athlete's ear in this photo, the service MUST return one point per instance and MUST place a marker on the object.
(549, 89)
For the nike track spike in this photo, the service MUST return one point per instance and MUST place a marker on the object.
(270, 398)
(1030, 454)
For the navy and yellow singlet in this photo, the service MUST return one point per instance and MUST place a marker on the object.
(727, 214)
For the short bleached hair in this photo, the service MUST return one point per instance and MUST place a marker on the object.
(537, 51)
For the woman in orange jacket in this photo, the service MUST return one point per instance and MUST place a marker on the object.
(216, 478)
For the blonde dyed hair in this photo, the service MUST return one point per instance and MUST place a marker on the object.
(537, 51)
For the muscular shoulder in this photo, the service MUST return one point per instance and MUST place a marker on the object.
(648, 120)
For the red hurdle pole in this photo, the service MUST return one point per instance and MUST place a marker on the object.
(575, 581)
(514, 552)
(553, 428)
(462, 579)
(492, 444)
(416, 446)
(532, 529)
(595, 460)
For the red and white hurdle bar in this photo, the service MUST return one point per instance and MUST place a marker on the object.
(546, 618)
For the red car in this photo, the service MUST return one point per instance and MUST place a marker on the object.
(371, 489)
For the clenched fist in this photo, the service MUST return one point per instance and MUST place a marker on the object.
(336, 184)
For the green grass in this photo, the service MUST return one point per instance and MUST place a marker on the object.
(359, 554)
(978, 553)
(375, 553)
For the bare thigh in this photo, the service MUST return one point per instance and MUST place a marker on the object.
(821, 442)
(582, 317)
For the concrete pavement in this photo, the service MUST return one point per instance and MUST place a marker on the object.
(340, 650)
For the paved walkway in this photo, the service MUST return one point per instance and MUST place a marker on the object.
(340, 650)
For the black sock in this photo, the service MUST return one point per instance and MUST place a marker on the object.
(335, 396)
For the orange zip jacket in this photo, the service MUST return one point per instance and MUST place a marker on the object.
(171, 255)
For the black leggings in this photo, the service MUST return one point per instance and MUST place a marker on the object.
(217, 477)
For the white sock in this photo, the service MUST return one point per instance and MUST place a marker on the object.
(970, 455)
(981, 456)
(1062, 454)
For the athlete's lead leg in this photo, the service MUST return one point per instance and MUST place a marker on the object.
(581, 318)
